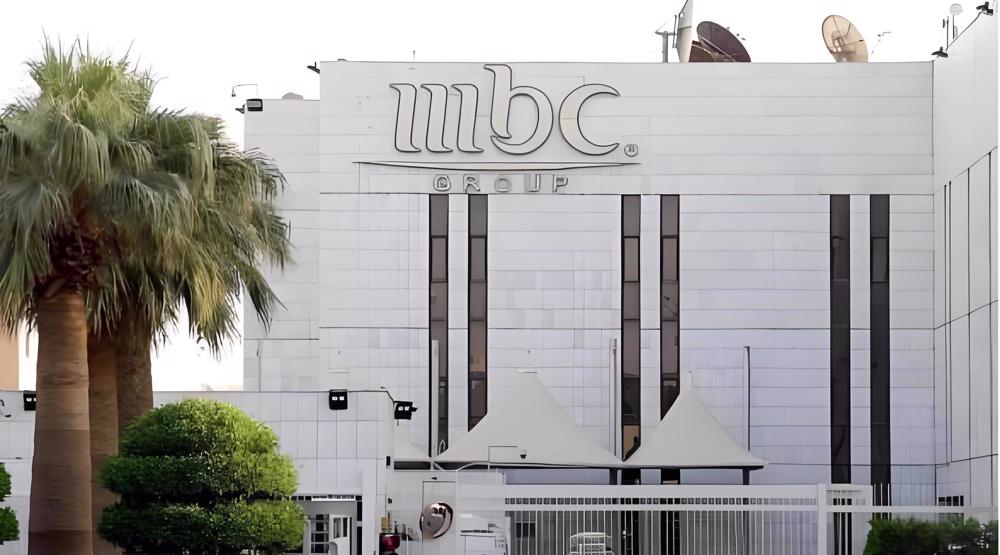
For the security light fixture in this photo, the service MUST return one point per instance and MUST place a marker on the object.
(30, 400)
(313, 67)
(338, 399)
(940, 53)
(255, 105)
(985, 8)
(241, 109)
(403, 410)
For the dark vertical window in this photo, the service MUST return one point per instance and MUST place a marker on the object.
(881, 463)
(477, 308)
(630, 347)
(840, 338)
(439, 315)
(669, 301)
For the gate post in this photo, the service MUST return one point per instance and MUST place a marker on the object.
(821, 519)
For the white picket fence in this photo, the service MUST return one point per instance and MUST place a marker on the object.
(683, 519)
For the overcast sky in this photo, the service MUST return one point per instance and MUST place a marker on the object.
(201, 49)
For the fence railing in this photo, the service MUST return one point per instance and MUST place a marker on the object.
(678, 519)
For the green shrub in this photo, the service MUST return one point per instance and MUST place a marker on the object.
(919, 537)
(8, 519)
(200, 477)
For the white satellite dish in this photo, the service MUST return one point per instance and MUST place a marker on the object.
(844, 40)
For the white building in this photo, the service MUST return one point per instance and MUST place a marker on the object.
(813, 246)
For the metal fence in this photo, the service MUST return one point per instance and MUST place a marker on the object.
(682, 519)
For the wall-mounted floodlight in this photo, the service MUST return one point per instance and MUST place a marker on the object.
(255, 105)
(314, 67)
(338, 399)
(403, 410)
(30, 400)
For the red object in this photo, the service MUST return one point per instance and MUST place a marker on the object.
(390, 542)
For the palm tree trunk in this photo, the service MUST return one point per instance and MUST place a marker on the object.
(60, 513)
(103, 425)
(135, 378)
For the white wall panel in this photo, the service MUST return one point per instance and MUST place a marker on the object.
(959, 409)
(981, 429)
(958, 251)
(980, 262)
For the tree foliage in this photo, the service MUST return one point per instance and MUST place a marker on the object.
(8, 519)
(920, 537)
(200, 477)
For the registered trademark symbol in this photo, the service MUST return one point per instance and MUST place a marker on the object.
(631, 150)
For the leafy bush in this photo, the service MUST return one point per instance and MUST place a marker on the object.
(8, 520)
(919, 537)
(200, 477)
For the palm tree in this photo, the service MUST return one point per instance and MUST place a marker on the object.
(76, 194)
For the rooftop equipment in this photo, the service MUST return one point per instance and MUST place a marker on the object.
(844, 40)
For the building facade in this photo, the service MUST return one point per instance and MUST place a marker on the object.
(809, 243)
(812, 246)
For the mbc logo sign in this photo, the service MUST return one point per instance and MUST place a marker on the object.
(503, 93)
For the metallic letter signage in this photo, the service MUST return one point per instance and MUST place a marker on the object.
(504, 92)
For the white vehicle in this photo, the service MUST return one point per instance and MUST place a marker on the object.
(590, 543)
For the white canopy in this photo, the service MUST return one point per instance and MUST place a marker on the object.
(403, 450)
(689, 436)
(528, 428)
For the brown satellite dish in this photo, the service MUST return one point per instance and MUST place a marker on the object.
(843, 40)
(699, 53)
(720, 44)
(435, 520)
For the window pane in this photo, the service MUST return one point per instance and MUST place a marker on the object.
(630, 301)
(477, 399)
(669, 214)
(477, 259)
(439, 259)
(669, 341)
(668, 259)
(477, 351)
(477, 215)
(477, 301)
(840, 258)
(439, 301)
(670, 300)
(630, 215)
(669, 389)
(630, 348)
(439, 215)
(630, 262)
(880, 260)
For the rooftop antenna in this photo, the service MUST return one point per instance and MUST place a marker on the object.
(254, 85)
(717, 44)
(844, 40)
(949, 24)
(879, 41)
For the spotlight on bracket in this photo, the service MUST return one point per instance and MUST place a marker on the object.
(338, 399)
(255, 105)
(313, 67)
(940, 53)
(985, 8)
(403, 410)
(30, 400)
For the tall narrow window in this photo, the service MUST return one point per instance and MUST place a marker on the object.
(439, 318)
(669, 302)
(840, 338)
(630, 348)
(477, 308)
(881, 462)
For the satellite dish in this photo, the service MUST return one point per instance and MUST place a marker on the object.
(722, 45)
(435, 520)
(843, 40)
(699, 53)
